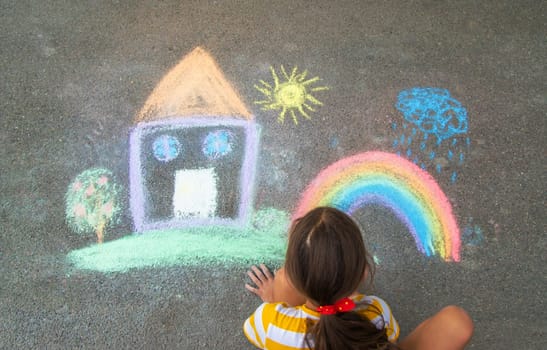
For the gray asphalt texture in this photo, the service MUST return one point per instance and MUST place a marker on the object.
(73, 74)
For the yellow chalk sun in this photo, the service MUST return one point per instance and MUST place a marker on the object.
(292, 96)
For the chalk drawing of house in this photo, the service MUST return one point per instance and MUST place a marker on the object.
(193, 151)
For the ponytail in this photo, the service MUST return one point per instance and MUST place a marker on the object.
(347, 330)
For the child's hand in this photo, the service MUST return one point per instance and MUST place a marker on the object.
(264, 281)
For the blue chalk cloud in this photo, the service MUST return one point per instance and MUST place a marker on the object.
(433, 111)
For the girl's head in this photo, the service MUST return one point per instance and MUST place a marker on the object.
(326, 261)
(326, 257)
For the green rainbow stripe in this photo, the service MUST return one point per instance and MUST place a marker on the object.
(396, 183)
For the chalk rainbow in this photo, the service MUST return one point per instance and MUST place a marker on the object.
(391, 181)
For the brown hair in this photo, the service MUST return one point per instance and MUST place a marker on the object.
(326, 261)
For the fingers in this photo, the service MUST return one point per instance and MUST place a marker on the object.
(257, 281)
(260, 275)
(251, 288)
(266, 271)
(263, 281)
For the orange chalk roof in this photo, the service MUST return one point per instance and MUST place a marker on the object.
(194, 87)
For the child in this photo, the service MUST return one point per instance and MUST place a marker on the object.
(313, 302)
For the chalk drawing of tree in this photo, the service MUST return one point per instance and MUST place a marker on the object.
(93, 202)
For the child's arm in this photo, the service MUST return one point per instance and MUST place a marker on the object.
(272, 289)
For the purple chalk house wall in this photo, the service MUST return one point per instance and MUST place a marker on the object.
(138, 197)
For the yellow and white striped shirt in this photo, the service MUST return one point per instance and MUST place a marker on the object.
(277, 326)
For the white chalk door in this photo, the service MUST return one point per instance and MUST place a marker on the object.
(195, 194)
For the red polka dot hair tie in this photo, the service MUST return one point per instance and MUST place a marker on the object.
(342, 305)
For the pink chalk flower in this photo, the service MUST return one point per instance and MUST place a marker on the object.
(89, 191)
(77, 186)
(79, 210)
(103, 180)
(107, 208)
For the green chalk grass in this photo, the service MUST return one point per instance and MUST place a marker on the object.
(263, 240)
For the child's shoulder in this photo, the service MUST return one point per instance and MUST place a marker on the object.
(283, 309)
(364, 298)
(280, 308)
(284, 316)
(366, 301)
(378, 312)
